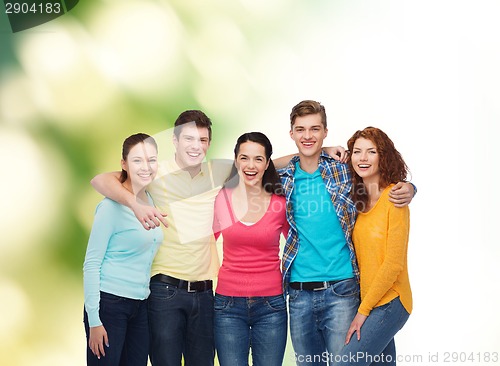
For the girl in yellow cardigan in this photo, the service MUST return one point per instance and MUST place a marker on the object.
(380, 239)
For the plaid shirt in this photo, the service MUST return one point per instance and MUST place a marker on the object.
(338, 183)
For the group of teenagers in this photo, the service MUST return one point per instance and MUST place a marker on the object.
(152, 256)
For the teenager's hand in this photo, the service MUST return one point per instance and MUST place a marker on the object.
(338, 153)
(356, 325)
(149, 216)
(401, 194)
(97, 340)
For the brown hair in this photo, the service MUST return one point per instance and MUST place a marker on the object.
(129, 143)
(190, 116)
(305, 108)
(392, 167)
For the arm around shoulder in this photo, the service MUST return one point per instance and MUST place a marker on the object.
(282, 162)
(109, 185)
(402, 194)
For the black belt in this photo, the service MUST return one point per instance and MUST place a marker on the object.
(196, 286)
(312, 286)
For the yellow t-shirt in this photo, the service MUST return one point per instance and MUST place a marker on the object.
(188, 251)
(380, 239)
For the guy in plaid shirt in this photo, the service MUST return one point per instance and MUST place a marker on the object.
(320, 271)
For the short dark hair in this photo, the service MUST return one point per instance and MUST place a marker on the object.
(129, 143)
(270, 180)
(305, 108)
(190, 116)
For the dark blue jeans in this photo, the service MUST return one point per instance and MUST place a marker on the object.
(126, 322)
(259, 323)
(376, 346)
(180, 324)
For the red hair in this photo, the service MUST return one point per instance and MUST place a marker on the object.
(392, 167)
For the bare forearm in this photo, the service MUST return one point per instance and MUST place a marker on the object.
(283, 161)
(109, 185)
(402, 194)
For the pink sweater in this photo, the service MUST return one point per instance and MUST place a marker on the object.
(251, 262)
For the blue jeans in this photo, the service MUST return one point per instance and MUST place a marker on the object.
(259, 323)
(180, 324)
(319, 321)
(126, 322)
(376, 346)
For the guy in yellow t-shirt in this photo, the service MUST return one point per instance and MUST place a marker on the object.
(180, 306)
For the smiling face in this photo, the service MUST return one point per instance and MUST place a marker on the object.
(191, 146)
(308, 132)
(365, 160)
(141, 164)
(251, 163)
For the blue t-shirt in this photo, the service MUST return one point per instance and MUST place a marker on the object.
(323, 254)
(119, 256)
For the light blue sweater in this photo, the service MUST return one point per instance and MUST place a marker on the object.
(119, 257)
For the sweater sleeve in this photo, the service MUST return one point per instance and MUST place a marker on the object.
(394, 259)
(101, 233)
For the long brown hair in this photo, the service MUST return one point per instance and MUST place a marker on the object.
(392, 167)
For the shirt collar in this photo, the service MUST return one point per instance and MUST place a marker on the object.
(290, 168)
(173, 168)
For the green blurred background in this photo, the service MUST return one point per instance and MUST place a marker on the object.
(72, 89)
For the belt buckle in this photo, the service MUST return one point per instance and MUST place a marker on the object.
(324, 287)
(189, 287)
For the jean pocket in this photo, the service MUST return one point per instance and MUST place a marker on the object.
(346, 288)
(385, 307)
(393, 306)
(110, 305)
(221, 302)
(293, 294)
(276, 303)
(162, 292)
(107, 298)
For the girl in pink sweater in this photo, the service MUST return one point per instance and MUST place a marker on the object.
(250, 309)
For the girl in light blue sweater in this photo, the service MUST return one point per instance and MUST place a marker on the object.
(118, 264)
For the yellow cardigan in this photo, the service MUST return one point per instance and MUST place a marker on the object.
(380, 239)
